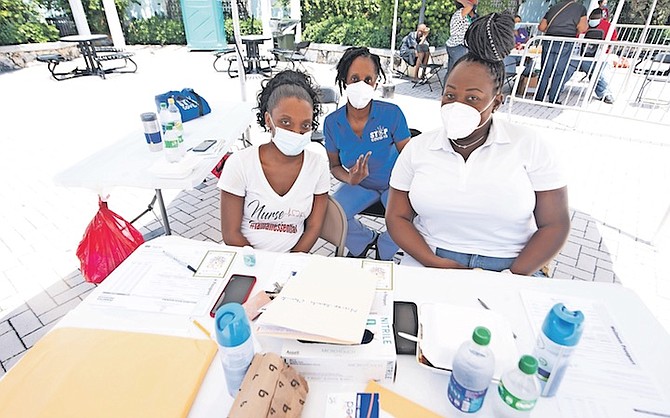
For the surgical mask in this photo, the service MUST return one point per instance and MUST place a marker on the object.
(517, 26)
(359, 94)
(461, 120)
(288, 142)
(594, 22)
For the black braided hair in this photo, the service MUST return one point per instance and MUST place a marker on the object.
(288, 83)
(348, 57)
(489, 40)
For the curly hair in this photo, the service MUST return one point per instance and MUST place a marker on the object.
(489, 40)
(288, 83)
(348, 57)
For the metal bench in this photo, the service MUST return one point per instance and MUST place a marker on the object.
(52, 61)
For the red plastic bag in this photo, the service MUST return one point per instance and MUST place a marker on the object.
(219, 166)
(108, 240)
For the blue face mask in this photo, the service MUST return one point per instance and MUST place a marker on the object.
(594, 22)
(517, 26)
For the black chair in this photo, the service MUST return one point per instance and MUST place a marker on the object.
(327, 95)
(296, 55)
(657, 70)
(377, 209)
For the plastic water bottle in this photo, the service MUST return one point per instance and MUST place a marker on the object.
(518, 390)
(173, 149)
(176, 119)
(560, 334)
(473, 369)
(236, 347)
(249, 256)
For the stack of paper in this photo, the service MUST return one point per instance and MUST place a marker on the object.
(329, 301)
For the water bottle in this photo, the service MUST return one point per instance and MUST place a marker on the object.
(176, 119)
(249, 256)
(518, 390)
(236, 347)
(173, 149)
(473, 369)
(560, 334)
(152, 132)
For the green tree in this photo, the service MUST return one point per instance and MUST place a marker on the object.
(95, 12)
(20, 23)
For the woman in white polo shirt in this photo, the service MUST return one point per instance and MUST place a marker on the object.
(274, 196)
(479, 192)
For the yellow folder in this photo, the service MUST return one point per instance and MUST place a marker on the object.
(85, 373)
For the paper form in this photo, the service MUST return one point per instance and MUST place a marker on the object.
(603, 365)
(155, 283)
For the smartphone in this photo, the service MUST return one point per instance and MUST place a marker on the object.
(237, 290)
(204, 145)
(405, 319)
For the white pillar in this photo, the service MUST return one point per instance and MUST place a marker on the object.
(266, 14)
(296, 15)
(79, 17)
(114, 23)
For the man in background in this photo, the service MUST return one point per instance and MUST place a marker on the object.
(415, 50)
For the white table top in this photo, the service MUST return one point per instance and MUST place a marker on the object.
(128, 162)
(646, 338)
(83, 38)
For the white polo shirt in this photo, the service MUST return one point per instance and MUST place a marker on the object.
(485, 205)
(272, 222)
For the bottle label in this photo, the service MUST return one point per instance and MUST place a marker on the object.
(514, 402)
(463, 399)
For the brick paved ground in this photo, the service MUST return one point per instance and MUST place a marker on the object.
(618, 187)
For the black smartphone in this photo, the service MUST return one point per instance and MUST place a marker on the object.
(204, 145)
(405, 319)
(237, 290)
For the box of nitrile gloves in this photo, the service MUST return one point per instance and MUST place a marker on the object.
(375, 359)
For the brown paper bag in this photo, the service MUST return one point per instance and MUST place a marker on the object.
(271, 388)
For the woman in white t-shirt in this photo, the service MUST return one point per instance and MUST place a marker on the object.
(480, 192)
(274, 196)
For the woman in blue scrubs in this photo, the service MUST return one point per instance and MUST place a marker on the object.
(363, 140)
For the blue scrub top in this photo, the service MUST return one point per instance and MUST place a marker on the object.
(385, 127)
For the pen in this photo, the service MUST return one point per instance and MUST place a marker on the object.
(188, 266)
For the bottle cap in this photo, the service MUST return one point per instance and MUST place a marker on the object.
(163, 105)
(170, 100)
(231, 324)
(148, 116)
(528, 364)
(481, 336)
(563, 326)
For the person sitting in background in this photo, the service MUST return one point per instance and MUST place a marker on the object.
(274, 196)
(520, 33)
(415, 50)
(363, 140)
(480, 192)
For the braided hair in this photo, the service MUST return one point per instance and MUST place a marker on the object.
(489, 40)
(288, 83)
(349, 56)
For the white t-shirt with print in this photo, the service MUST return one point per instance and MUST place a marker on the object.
(272, 222)
(485, 205)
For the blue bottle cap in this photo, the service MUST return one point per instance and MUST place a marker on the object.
(232, 325)
(563, 326)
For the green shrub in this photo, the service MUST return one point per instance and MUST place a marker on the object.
(19, 24)
(157, 30)
(247, 27)
(345, 31)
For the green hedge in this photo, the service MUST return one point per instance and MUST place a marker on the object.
(157, 30)
(19, 24)
(247, 27)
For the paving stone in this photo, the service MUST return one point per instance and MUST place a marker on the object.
(178, 227)
(605, 264)
(57, 288)
(41, 303)
(59, 311)
(2, 371)
(5, 326)
(193, 232)
(25, 323)
(561, 275)
(578, 224)
(73, 292)
(206, 211)
(10, 345)
(12, 361)
(563, 259)
(584, 242)
(587, 263)
(74, 279)
(199, 220)
(182, 217)
(576, 273)
(30, 339)
(212, 234)
(604, 275)
(186, 207)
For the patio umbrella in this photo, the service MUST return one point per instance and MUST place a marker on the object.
(240, 65)
(393, 30)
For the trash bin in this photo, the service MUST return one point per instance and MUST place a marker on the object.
(285, 41)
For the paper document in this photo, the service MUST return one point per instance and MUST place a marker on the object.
(328, 301)
(152, 281)
(603, 365)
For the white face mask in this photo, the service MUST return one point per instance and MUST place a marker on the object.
(359, 94)
(460, 120)
(289, 142)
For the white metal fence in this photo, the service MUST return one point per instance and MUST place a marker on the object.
(620, 79)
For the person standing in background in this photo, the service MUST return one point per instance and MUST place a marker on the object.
(460, 21)
(566, 19)
(602, 4)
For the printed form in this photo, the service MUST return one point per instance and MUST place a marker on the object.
(602, 366)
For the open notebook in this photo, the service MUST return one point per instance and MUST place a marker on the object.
(84, 373)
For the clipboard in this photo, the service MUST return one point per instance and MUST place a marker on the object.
(83, 373)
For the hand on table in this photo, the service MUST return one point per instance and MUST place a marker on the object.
(360, 170)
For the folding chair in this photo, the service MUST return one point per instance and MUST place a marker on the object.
(334, 228)
(659, 70)
(327, 95)
(293, 56)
